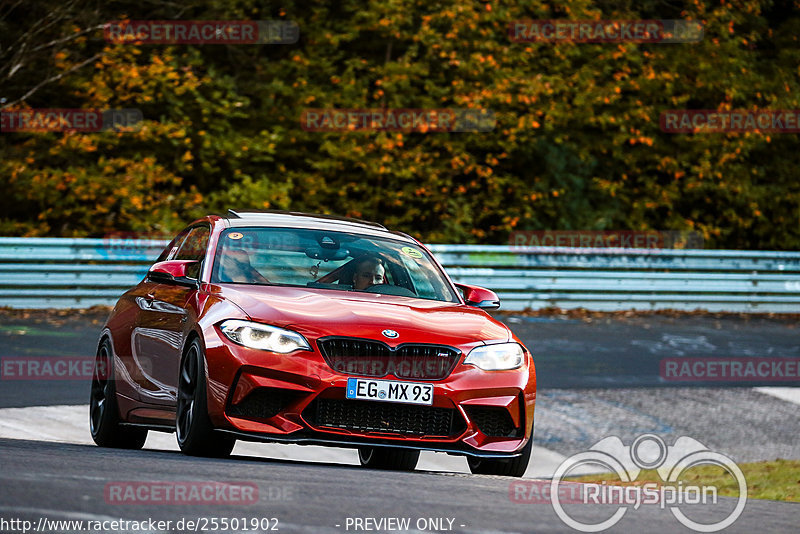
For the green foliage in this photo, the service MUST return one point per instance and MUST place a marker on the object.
(577, 143)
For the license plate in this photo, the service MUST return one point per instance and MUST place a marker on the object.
(389, 391)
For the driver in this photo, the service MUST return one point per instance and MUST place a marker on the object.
(369, 272)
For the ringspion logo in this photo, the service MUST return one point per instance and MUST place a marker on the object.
(648, 451)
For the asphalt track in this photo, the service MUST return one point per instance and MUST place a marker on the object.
(596, 379)
(62, 481)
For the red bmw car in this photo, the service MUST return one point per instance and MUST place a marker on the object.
(296, 328)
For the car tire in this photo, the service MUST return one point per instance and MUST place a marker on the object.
(388, 458)
(105, 424)
(513, 467)
(195, 433)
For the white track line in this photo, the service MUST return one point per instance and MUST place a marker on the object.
(787, 394)
(70, 424)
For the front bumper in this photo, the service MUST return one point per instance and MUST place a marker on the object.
(299, 398)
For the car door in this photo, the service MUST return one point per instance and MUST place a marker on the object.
(134, 313)
(161, 334)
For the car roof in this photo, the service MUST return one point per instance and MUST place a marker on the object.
(312, 221)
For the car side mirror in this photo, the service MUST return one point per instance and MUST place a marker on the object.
(173, 272)
(479, 297)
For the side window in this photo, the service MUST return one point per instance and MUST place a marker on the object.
(169, 252)
(194, 248)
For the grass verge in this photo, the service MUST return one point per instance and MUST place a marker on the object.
(776, 480)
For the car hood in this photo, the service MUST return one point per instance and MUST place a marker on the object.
(321, 312)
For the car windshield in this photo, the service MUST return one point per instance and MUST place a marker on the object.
(328, 260)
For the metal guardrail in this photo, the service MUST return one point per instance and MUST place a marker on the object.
(71, 273)
(608, 279)
(78, 273)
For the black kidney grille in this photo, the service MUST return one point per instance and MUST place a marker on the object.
(367, 416)
(493, 422)
(263, 403)
(363, 357)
